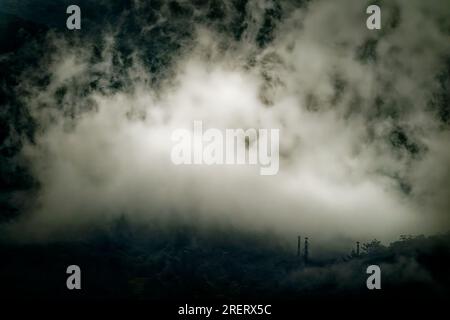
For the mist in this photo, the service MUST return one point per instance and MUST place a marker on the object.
(363, 152)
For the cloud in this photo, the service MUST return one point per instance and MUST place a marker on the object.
(361, 153)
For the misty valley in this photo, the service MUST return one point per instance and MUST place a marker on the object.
(189, 156)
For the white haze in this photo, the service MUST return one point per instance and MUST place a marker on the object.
(335, 179)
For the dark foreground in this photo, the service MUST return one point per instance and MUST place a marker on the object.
(187, 265)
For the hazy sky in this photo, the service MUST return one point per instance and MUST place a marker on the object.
(364, 151)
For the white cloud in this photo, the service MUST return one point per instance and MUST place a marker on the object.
(336, 172)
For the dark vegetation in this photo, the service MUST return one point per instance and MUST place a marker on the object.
(169, 263)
